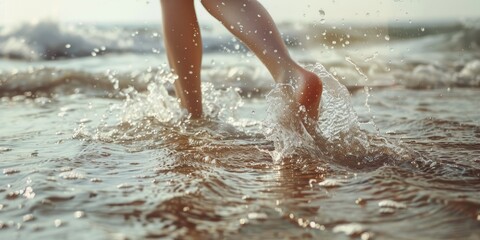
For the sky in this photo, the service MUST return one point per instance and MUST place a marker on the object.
(148, 11)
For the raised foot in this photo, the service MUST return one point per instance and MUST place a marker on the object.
(308, 93)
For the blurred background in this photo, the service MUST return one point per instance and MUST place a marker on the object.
(146, 11)
(372, 42)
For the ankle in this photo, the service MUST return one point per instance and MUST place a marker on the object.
(310, 84)
(290, 75)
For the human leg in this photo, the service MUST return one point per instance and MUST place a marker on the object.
(184, 50)
(249, 21)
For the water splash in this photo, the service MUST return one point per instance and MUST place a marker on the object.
(283, 125)
(156, 102)
(338, 136)
(337, 114)
(155, 115)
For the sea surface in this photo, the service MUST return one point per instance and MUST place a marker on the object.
(94, 146)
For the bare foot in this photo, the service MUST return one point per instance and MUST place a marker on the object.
(307, 92)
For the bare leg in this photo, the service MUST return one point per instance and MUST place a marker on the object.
(249, 21)
(184, 50)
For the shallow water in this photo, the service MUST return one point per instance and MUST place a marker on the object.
(210, 179)
(83, 157)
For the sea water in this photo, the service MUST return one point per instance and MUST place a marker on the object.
(93, 143)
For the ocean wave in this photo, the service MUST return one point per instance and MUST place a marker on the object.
(247, 78)
(428, 76)
(251, 80)
(50, 80)
(49, 40)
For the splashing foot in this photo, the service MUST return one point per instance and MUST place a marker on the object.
(306, 95)
(308, 92)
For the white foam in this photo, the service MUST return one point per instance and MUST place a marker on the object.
(157, 103)
(391, 204)
(428, 76)
(47, 79)
(332, 183)
(48, 40)
(350, 229)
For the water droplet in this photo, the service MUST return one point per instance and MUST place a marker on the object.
(4, 149)
(124, 186)
(29, 193)
(68, 46)
(246, 198)
(387, 37)
(311, 181)
(84, 120)
(391, 204)
(367, 236)
(330, 183)
(321, 12)
(9, 171)
(79, 214)
(57, 222)
(387, 211)
(422, 29)
(360, 201)
(28, 218)
(349, 229)
(71, 175)
(243, 221)
(259, 216)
